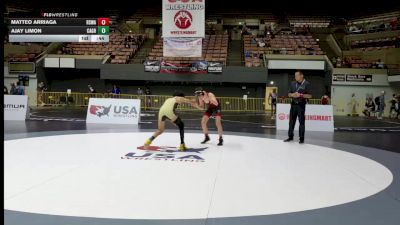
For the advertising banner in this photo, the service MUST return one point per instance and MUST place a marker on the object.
(182, 47)
(318, 117)
(113, 111)
(199, 67)
(185, 18)
(15, 107)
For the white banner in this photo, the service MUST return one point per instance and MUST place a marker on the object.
(296, 64)
(318, 117)
(15, 107)
(182, 47)
(113, 111)
(184, 18)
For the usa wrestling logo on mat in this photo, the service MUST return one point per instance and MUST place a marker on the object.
(166, 153)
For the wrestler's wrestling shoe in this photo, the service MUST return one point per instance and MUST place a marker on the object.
(147, 144)
(220, 142)
(206, 139)
(182, 147)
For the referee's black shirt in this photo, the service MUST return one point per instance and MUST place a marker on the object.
(302, 88)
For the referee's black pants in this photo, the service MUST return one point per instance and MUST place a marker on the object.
(297, 110)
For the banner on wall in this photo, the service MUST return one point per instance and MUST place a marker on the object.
(352, 78)
(15, 107)
(358, 78)
(199, 67)
(113, 111)
(183, 18)
(318, 117)
(182, 47)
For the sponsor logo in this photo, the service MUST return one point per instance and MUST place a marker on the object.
(13, 106)
(215, 67)
(99, 110)
(318, 117)
(166, 153)
(183, 19)
(151, 68)
(185, 1)
(118, 111)
(281, 116)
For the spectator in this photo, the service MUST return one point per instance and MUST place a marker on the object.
(115, 91)
(334, 61)
(261, 43)
(139, 91)
(339, 62)
(253, 41)
(369, 107)
(247, 54)
(13, 89)
(41, 88)
(393, 102)
(381, 27)
(325, 100)
(304, 29)
(213, 32)
(380, 64)
(266, 32)
(5, 90)
(393, 23)
(283, 51)
(147, 91)
(382, 105)
(20, 89)
(273, 99)
(355, 29)
(91, 89)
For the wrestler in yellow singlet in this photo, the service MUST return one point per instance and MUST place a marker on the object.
(168, 112)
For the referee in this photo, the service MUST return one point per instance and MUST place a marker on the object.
(299, 91)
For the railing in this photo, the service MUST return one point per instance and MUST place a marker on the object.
(154, 102)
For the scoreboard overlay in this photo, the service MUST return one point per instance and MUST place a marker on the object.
(59, 30)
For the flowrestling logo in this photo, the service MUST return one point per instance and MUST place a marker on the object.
(166, 153)
(117, 111)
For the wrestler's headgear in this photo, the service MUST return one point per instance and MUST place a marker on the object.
(199, 91)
